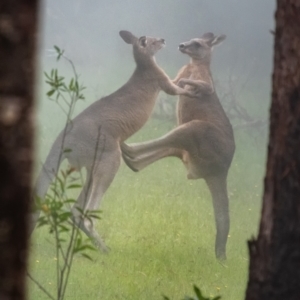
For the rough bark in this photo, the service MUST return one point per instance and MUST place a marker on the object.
(18, 23)
(275, 255)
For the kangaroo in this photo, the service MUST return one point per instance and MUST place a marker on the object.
(94, 136)
(203, 139)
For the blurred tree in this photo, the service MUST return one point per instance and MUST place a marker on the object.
(275, 255)
(18, 22)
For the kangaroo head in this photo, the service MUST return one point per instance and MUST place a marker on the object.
(144, 47)
(201, 48)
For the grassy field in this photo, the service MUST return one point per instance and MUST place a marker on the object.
(160, 228)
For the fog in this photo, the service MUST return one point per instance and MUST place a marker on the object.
(88, 32)
(160, 226)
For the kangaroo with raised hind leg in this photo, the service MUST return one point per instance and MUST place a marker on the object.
(204, 138)
(94, 136)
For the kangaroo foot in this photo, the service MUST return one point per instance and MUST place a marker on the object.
(91, 233)
(129, 162)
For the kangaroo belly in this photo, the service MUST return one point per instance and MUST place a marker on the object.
(189, 109)
(209, 149)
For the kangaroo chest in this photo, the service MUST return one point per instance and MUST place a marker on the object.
(191, 109)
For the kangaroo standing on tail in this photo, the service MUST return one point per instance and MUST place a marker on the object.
(203, 140)
(94, 136)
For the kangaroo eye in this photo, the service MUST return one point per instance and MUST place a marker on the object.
(143, 41)
(197, 45)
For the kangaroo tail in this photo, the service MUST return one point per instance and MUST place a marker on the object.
(218, 188)
(47, 174)
(50, 168)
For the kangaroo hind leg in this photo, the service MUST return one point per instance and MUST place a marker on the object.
(141, 162)
(177, 142)
(99, 177)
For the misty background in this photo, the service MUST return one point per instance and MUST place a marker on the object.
(88, 32)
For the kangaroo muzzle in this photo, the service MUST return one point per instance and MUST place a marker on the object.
(181, 46)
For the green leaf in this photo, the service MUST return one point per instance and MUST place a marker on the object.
(71, 85)
(54, 190)
(200, 296)
(96, 217)
(41, 223)
(87, 256)
(65, 215)
(79, 209)
(63, 228)
(60, 55)
(88, 247)
(71, 201)
(198, 293)
(50, 93)
(63, 174)
(51, 83)
(62, 188)
(47, 76)
(57, 49)
(48, 198)
(74, 186)
(59, 52)
(38, 201)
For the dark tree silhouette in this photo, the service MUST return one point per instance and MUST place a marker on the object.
(18, 21)
(275, 255)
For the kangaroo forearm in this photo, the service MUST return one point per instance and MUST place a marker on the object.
(176, 80)
(173, 90)
(203, 86)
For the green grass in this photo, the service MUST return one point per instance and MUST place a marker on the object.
(161, 232)
(158, 224)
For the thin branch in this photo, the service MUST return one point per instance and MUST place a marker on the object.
(40, 286)
(65, 100)
(58, 279)
(69, 263)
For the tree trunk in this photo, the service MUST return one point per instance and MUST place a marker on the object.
(18, 23)
(275, 255)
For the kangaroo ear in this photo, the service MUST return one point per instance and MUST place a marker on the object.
(208, 36)
(127, 36)
(143, 41)
(217, 40)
